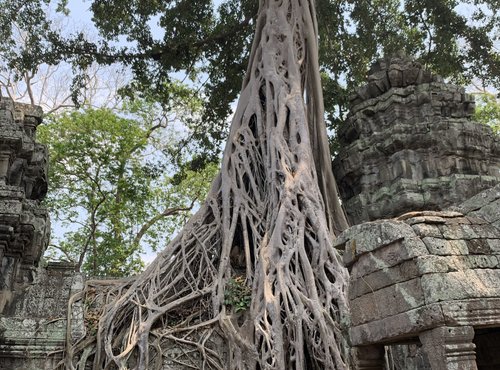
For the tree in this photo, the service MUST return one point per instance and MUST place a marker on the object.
(254, 270)
(109, 187)
(488, 110)
(456, 39)
(49, 86)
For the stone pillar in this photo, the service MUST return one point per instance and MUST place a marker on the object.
(450, 348)
(370, 357)
(4, 165)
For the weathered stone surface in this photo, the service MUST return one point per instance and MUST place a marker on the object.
(404, 325)
(443, 247)
(361, 239)
(474, 312)
(422, 216)
(388, 301)
(484, 206)
(384, 277)
(408, 356)
(427, 230)
(409, 144)
(442, 270)
(33, 301)
(34, 325)
(450, 348)
(480, 200)
(24, 224)
(443, 264)
(459, 285)
(388, 256)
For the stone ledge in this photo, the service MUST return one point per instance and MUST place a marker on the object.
(479, 313)
(395, 328)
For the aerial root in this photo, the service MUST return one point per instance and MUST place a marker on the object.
(252, 281)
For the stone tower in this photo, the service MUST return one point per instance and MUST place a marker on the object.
(424, 278)
(410, 144)
(24, 224)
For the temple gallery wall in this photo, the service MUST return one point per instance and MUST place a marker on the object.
(420, 183)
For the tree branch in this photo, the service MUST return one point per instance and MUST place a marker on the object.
(167, 212)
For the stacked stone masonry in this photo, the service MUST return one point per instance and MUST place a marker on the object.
(24, 224)
(410, 144)
(422, 272)
(33, 298)
(33, 327)
(426, 284)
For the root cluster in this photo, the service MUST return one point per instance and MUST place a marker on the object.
(268, 224)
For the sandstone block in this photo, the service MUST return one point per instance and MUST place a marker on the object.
(387, 301)
(445, 247)
(403, 325)
(425, 230)
(382, 278)
(388, 256)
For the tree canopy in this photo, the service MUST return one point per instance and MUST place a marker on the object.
(110, 185)
(488, 111)
(456, 39)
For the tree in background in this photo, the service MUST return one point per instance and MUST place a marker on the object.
(488, 110)
(106, 215)
(110, 188)
(50, 86)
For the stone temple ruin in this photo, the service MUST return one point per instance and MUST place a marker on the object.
(33, 298)
(424, 259)
(420, 182)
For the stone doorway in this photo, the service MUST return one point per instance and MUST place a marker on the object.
(487, 343)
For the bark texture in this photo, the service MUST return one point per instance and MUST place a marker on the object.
(267, 228)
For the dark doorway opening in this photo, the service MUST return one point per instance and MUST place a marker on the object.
(487, 343)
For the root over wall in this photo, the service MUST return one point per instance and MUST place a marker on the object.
(266, 229)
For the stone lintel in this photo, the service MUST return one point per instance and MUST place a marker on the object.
(477, 313)
(399, 327)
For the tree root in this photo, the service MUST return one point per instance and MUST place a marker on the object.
(270, 217)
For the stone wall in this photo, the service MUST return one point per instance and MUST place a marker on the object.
(410, 144)
(24, 224)
(33, 327)
(425, 284)
(485, 205)
(33, 299)
(416, 263)
(427, 278)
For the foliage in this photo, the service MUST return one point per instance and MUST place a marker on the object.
(109, 187)
(488, 111)
(238, 294)
(455, 39)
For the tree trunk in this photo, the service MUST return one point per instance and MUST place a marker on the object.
(252, 281)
